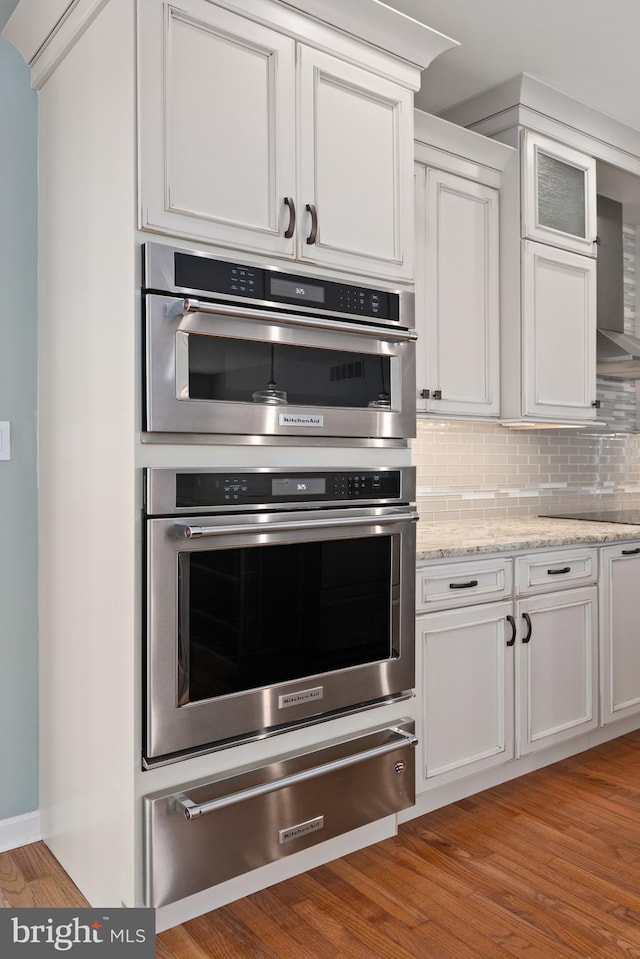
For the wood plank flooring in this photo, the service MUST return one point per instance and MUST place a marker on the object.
(544, 867)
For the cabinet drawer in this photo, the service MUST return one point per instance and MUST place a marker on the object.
(557, 570)
(461, 584)
(215, 831)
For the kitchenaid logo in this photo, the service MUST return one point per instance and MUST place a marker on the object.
(300, 419)
(304, 696)
(302, 829)
(39, 932)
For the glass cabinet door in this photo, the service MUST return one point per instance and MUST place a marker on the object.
(558, 195)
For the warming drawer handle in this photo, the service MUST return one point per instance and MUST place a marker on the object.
(193, 810)
(289, 319)
(194, 532)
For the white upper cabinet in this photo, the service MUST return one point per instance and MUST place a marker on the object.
(356, 160)
(217, 143)
(559, 334)
(252, 140)
(458, 176)
(457, 295)
(558, 195)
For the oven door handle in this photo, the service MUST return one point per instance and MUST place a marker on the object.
(194, 532)
(192, 810)
(244, 312)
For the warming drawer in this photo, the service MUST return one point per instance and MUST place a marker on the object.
(219, 829)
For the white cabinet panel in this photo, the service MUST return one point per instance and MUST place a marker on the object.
(556, 668)
(559, 333)
(455, 584)
(252, 140)
(620, 631)
(559, 569)
(457, 295)
(559, 194)
(217, 141)
(466, 687)
(356, 136)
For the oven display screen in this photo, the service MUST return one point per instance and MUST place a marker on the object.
(299, 487)
(297, 291)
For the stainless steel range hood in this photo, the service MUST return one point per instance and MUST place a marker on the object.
(618, 353)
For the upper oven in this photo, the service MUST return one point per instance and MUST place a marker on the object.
(236, 350)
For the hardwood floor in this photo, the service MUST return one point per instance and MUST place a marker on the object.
(544, 867)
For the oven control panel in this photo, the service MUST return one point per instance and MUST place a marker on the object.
(207, 490)
(170, 492)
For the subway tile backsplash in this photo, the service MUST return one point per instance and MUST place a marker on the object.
(471, 470)
(474, 470)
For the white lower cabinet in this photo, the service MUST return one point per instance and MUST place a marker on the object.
(501, 680)
(556, 668)
(620, 631)
(466, 681)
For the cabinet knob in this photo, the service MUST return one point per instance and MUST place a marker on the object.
(292, 217)
(425, 394)
(596, 404)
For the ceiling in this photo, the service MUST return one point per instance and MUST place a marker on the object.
(586, 48)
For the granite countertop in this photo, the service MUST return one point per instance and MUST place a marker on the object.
(442, 540)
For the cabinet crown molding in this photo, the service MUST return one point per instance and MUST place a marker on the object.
(43, 41)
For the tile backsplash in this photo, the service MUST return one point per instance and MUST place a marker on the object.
(618, 398)
(477, 470)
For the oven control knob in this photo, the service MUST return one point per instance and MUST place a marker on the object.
(400, 767)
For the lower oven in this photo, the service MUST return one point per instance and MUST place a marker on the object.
(274, 598)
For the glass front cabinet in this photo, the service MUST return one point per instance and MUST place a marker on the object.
(558, 195)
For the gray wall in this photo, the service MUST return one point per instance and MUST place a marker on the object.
(18, 526)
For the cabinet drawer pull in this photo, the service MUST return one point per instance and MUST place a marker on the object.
(527, 620)
(314, 223)
(558, 572)
(292, 217)
(472, 582)
(512, 623)
(630, 552)
(191, 810)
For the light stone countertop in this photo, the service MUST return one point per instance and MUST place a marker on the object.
(461, 538)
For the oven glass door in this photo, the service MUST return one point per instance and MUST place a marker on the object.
(246, 371)
(213, 371)
(253, 616)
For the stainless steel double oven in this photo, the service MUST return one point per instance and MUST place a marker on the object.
(279, 591)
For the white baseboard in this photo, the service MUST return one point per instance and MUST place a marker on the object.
(19, 831)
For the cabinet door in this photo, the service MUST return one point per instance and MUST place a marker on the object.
(558, 194)
(217, 142)
(559, 334)
(356, 168)
(457, 296)
(465, 691)
(556, 668)
(620, 631)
